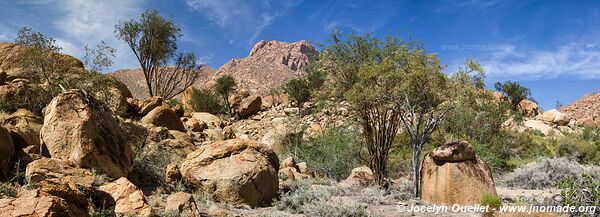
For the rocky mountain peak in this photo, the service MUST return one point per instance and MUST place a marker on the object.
(293, 55)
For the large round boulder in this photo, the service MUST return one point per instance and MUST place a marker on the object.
(165, 117)
(81, 129)
(235, 171)
(555, 117)
(529, 108)
(452, 175)
(249, 106)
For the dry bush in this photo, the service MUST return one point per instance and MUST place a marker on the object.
(546, 172)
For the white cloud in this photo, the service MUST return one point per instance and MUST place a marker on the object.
(239, 18)
(574, 59)
(86, 22)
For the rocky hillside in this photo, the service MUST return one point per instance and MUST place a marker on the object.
(269, 65)
(586, 107)
(134, 79)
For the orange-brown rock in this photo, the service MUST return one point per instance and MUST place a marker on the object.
(82, 130)
(249, 106)
(7, 151)
(183, 204)
(35, 203)
(555, 117)
(455, 182)
(235, 171)
(126, 198)
(360, 176)
(50, 168)
(24, 128)
(587, 106)
(454, 152)
(165, 117)
(529, 108)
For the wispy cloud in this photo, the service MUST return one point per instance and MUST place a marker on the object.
(243, 21)
(73, 23)
(575, 59)
(342, 14)
(88, 22)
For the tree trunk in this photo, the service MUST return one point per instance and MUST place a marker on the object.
(378, 171)
(417, 170)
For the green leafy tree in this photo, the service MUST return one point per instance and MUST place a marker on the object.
(40, 61)
(299, 90)
(343, 58)
(153, 40)
(224, 86)
(303, 89)
(99, 58)
(423, 100)
(514, 91)
(206, 100)
(392, 84)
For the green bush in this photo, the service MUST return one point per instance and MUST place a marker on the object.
(299, 90)
(584, 191)
(224, 86)
(104, 213)
(334, 153)
(514, 91)
(206, 100)
(149, 171)
(490, 199)
(577, 147)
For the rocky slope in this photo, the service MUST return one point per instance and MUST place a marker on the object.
(585, 107)
(269, 65)
(134, 79)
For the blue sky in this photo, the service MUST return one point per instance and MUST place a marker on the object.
(553, 47)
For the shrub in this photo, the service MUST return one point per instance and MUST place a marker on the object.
(223, 87)
(206, 100)
(491, 199)
(299, 90)
(334, 153)
(149, 171)
(104, 213)
(514, 91)
(316, 200)
(577, 147)
(547, 172)
(582, 191)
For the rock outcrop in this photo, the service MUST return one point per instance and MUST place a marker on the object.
(81, 129)
(52, 199)
(165, 117)
(555, 117)
(126, 198)
(24, 128)
(68, 70)
(587, 106)
(49, 168)
(7, 150)
(234, 171)
(451, 174)
(529, 108)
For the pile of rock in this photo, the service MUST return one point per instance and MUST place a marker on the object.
(290, 171)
